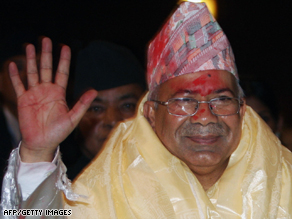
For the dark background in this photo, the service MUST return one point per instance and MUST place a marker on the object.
(259, 31)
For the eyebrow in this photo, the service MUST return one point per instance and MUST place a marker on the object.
(98, 99)
(224, 90)
(186, 91)
(127, 96)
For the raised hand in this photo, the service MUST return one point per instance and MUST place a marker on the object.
(44, 118)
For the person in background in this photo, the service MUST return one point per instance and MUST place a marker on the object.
(286, 136)
(119, 78)
(260, 96)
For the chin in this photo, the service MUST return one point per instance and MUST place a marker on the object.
(205, 159)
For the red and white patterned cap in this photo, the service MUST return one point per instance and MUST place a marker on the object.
(190, 41)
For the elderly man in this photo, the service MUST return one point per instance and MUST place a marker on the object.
(195, 150)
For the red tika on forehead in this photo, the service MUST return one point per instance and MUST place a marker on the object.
(190, 41)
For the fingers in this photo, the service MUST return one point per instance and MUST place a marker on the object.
(16, 81)
(46, 64)
(79, 109)
(32, 72)
(62, 73)
(46, 61)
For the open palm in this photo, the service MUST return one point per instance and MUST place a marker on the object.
(44, 118)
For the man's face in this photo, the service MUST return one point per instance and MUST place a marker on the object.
(203, 141)
(108, 108)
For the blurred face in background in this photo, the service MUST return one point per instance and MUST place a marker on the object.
(109, 107)
(263, 111)
(286, 137)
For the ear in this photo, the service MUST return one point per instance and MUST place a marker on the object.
(149, 112)
(243, 108)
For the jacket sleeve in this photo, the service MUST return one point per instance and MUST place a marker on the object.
(47, 195)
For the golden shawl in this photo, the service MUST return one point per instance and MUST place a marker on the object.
(135, 176)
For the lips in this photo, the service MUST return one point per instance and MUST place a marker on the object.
(204, 140)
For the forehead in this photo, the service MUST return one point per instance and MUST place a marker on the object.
(202, 83)
(119, 93)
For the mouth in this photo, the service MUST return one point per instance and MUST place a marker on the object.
(204, 140)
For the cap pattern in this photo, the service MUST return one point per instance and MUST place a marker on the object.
(190, 41)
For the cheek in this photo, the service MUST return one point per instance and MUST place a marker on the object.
(166, 126)
(234, 126)
(87, 125)
(126, 115)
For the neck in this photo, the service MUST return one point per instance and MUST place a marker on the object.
(209, 176)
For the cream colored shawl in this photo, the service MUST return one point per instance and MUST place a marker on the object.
(136, 177)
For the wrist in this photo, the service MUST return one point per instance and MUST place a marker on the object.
(29, 155)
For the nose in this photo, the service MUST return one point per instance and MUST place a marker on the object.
(111, 118)
(204, 116)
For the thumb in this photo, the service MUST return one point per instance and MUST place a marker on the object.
(79, 109)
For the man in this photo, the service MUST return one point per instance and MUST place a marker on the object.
(195, 150)
(119, 78)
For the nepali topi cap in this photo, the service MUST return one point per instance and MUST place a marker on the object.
(190, 41)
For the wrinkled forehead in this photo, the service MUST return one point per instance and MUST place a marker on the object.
(203, 83)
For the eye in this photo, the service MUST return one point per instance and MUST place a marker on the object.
(128, 107)
(188, 100)
(184, 100)
(224, 98)
(222, 101)
(96, 109)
